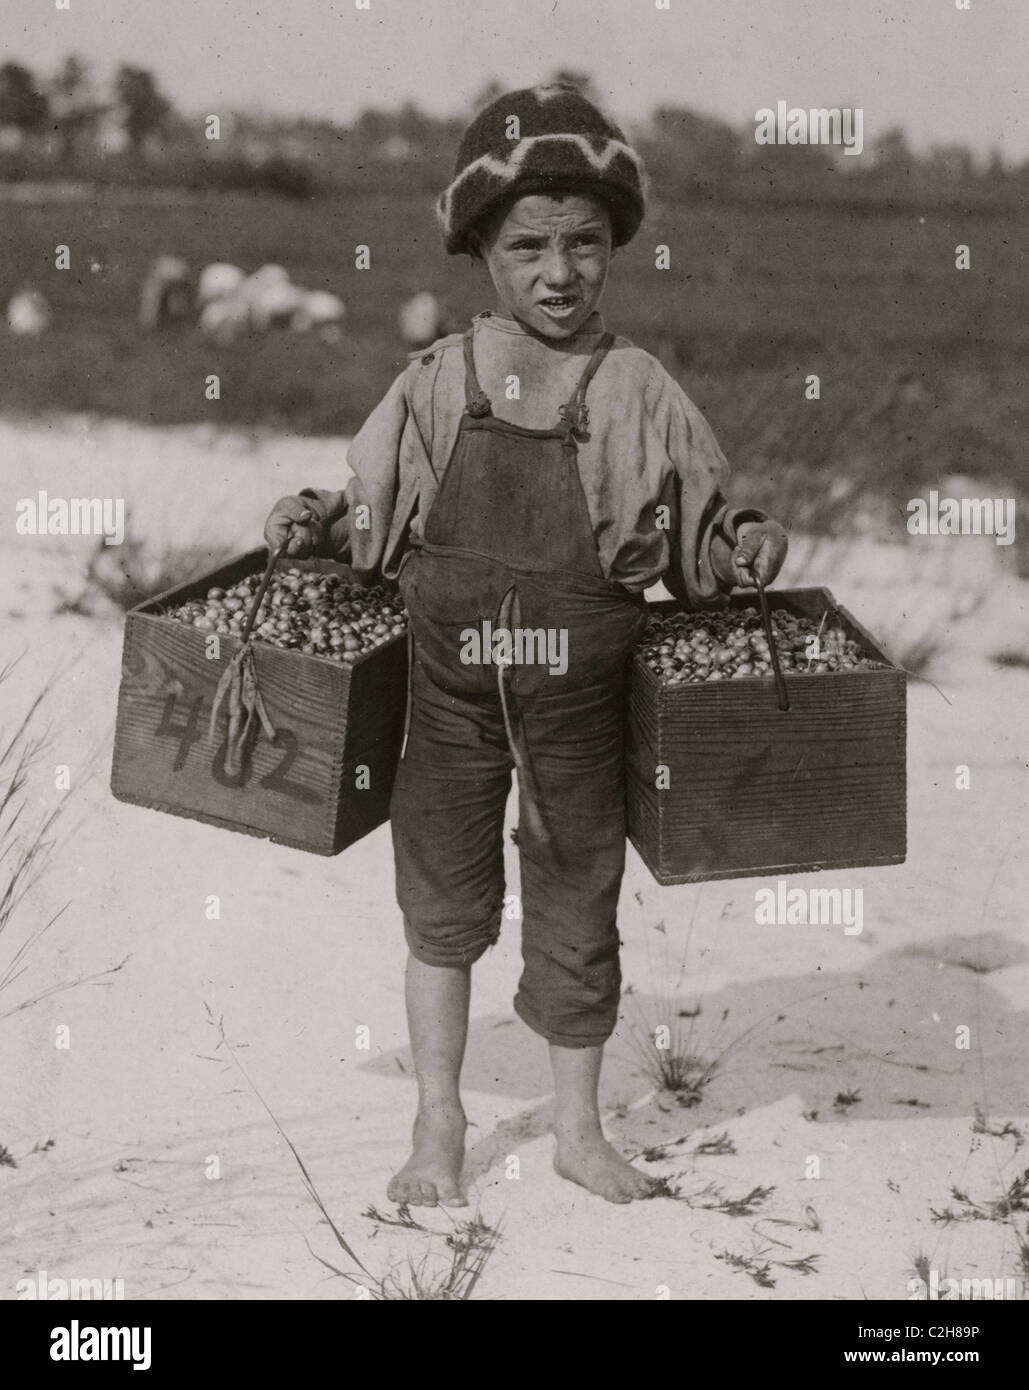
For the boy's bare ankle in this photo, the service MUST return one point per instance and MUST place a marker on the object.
(450, 1117)
(441, 1105)
(577, 1128)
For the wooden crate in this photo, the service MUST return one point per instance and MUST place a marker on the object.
(755, 790)
(331, 719)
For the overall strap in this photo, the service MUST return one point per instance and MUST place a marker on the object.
(574, 414)
(475, 399)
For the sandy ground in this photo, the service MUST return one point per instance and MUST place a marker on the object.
(838, 1085)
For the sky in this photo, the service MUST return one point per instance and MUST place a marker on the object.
(946, 75)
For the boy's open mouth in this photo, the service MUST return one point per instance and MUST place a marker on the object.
(559, 303)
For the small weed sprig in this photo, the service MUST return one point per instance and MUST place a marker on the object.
(811, 1222)
(981, 1125)
(1014, 1198)
(473, 1234)
(709, 1197)
(740, 1206)
(748, 1264)
(845, 1099)
(760, 1269)
(717, 1144)
(666, 1187)
(403, 1218)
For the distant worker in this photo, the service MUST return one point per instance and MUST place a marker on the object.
(319, 312)
(218, 281)
(232, 303)
(28, 313)
(165, 296)
(222, 320)
(272, 297)
(421, 320)
(223, 312)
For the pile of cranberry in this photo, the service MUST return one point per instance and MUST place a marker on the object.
(319, 614)
(687, 648)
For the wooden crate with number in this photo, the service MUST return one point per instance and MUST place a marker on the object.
(325, 781)
(721, 783)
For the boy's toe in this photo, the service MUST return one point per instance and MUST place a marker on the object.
(405, 1190)
(402, 1190)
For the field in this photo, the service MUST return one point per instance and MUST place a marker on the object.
(922, 366)
(786, 1043)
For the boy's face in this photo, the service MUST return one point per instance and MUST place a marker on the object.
(548, 260)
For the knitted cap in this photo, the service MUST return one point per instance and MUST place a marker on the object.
(537, 140)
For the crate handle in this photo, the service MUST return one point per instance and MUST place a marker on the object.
(766, 618)
(274, 556)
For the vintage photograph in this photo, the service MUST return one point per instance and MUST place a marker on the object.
(514, 656)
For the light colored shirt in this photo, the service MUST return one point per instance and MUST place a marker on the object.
(652, 473)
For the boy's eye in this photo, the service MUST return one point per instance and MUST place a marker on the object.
(589, 240)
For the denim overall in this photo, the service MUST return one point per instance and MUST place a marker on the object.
(508, 542)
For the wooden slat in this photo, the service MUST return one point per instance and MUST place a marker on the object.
(332, 719)
(755, 789)
(375, 726)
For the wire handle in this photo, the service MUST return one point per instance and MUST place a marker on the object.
(274, 556)
(766, 618)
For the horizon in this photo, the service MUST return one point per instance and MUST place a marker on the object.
(328, 60)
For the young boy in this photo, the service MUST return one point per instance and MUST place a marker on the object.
(532, 476)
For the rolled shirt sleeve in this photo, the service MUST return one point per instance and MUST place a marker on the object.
(359, 518)
(700, 560)
(371, 494)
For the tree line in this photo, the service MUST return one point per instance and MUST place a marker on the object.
(68, 109)
(129, 131)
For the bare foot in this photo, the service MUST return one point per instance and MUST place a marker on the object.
(432, 1175)
(589, 1160)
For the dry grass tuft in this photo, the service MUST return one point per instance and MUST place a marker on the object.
(427, 1278)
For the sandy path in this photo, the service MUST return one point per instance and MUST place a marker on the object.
(306, 950)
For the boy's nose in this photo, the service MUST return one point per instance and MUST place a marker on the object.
(557, 271)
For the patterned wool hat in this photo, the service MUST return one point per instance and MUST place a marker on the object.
(558, 140)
